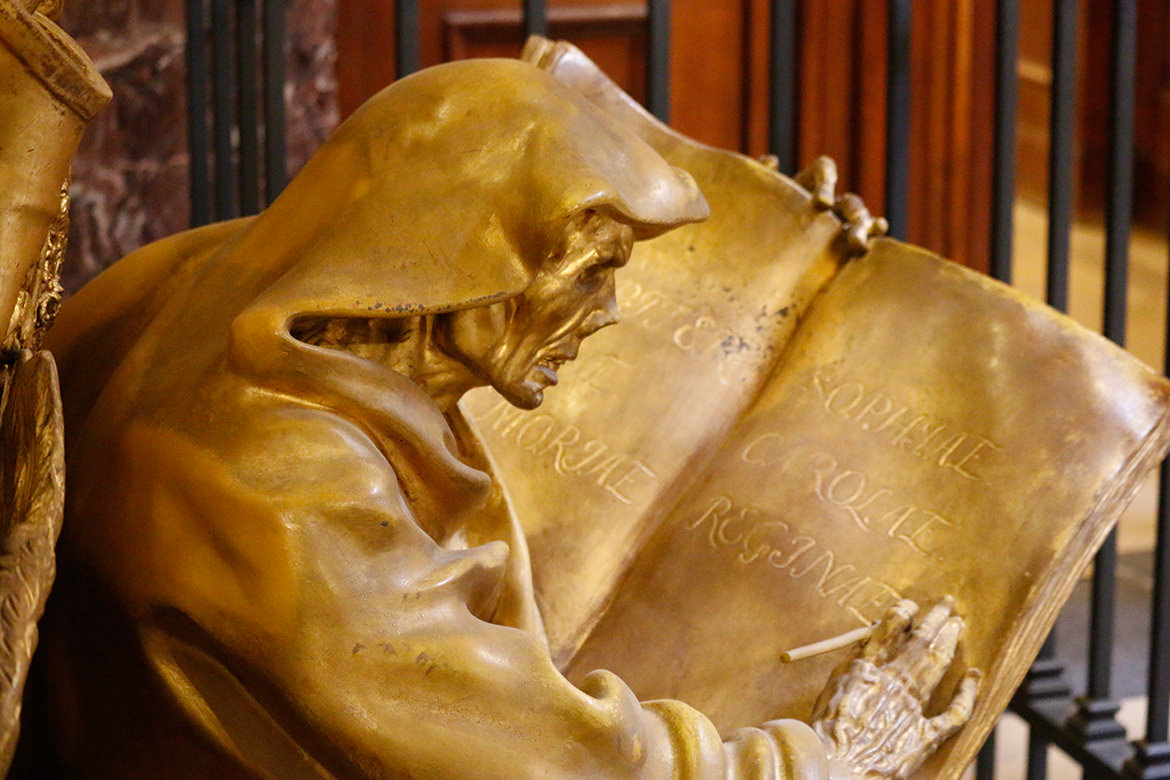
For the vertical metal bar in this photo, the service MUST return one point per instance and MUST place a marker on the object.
(782, 108)
(275, 172)
(1007, 36)
(1119, 178)
(1117, 226)
(658, 61)
(898, 117)
(1043, 688)
(1060, 149)
(535, 18)
(1048, 649)
(1152, 755)
(198, 143)
(248, 81)
(406, 48)
(1158, 684)
(223, 114)
(1101, 619)
(985, 761)
(1037, 756)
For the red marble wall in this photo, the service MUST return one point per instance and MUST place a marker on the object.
(130, 175)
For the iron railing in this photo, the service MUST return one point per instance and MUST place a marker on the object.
(236, 107)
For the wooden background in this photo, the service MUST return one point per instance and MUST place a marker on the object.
(719, 88)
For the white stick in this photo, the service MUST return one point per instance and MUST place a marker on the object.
(828, 645)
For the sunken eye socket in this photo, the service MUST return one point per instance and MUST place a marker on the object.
(595, 273)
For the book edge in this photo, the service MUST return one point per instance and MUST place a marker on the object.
(1052, 591)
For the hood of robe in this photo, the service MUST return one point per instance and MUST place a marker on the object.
(447, 189)
(444, 191)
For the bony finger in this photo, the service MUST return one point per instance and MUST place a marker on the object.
(907, 664)
(941, 649)
(823, 194)
(859, 223)
(899, 616)
(891, 632)
(879, 228)
(935, 619)
(947, 638)
(929, 665)
(820, 179)
(956, 715)
(851, 208)
(857, 236)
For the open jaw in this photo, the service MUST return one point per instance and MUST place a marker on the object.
(550, 360)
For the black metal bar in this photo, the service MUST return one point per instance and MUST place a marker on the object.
(782, 107)
(898, 117)
(198, 143)
(1043, 692)
(223, 114)
(535, 18)
(1060, 149)
(1101, 619)
(406, 44)
(1119, 202)
(1096, 717)
(1037, 767)
(985, 761)
(658, 59)
(248, 106)
(275, 170)
(1007, 36)
(1158, 684)
(1048, 649)
(1095, 722)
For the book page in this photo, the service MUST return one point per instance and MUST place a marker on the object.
(929, 432)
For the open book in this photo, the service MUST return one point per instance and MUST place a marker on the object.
(777, 443)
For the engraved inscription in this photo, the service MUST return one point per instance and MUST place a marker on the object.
(622, 477)
(650, 306)
(690, 330)
(758, 539)
(597, 371)
(877, 509)
(932, 440)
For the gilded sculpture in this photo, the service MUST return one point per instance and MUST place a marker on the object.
(288, 552)
(284, 542)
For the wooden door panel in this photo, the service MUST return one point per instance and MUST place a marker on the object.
(614, 36)
(707, 63)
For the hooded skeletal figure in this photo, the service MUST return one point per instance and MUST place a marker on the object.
(284, 557)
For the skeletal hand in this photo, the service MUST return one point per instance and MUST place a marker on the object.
(820, 179)
(871, 717)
